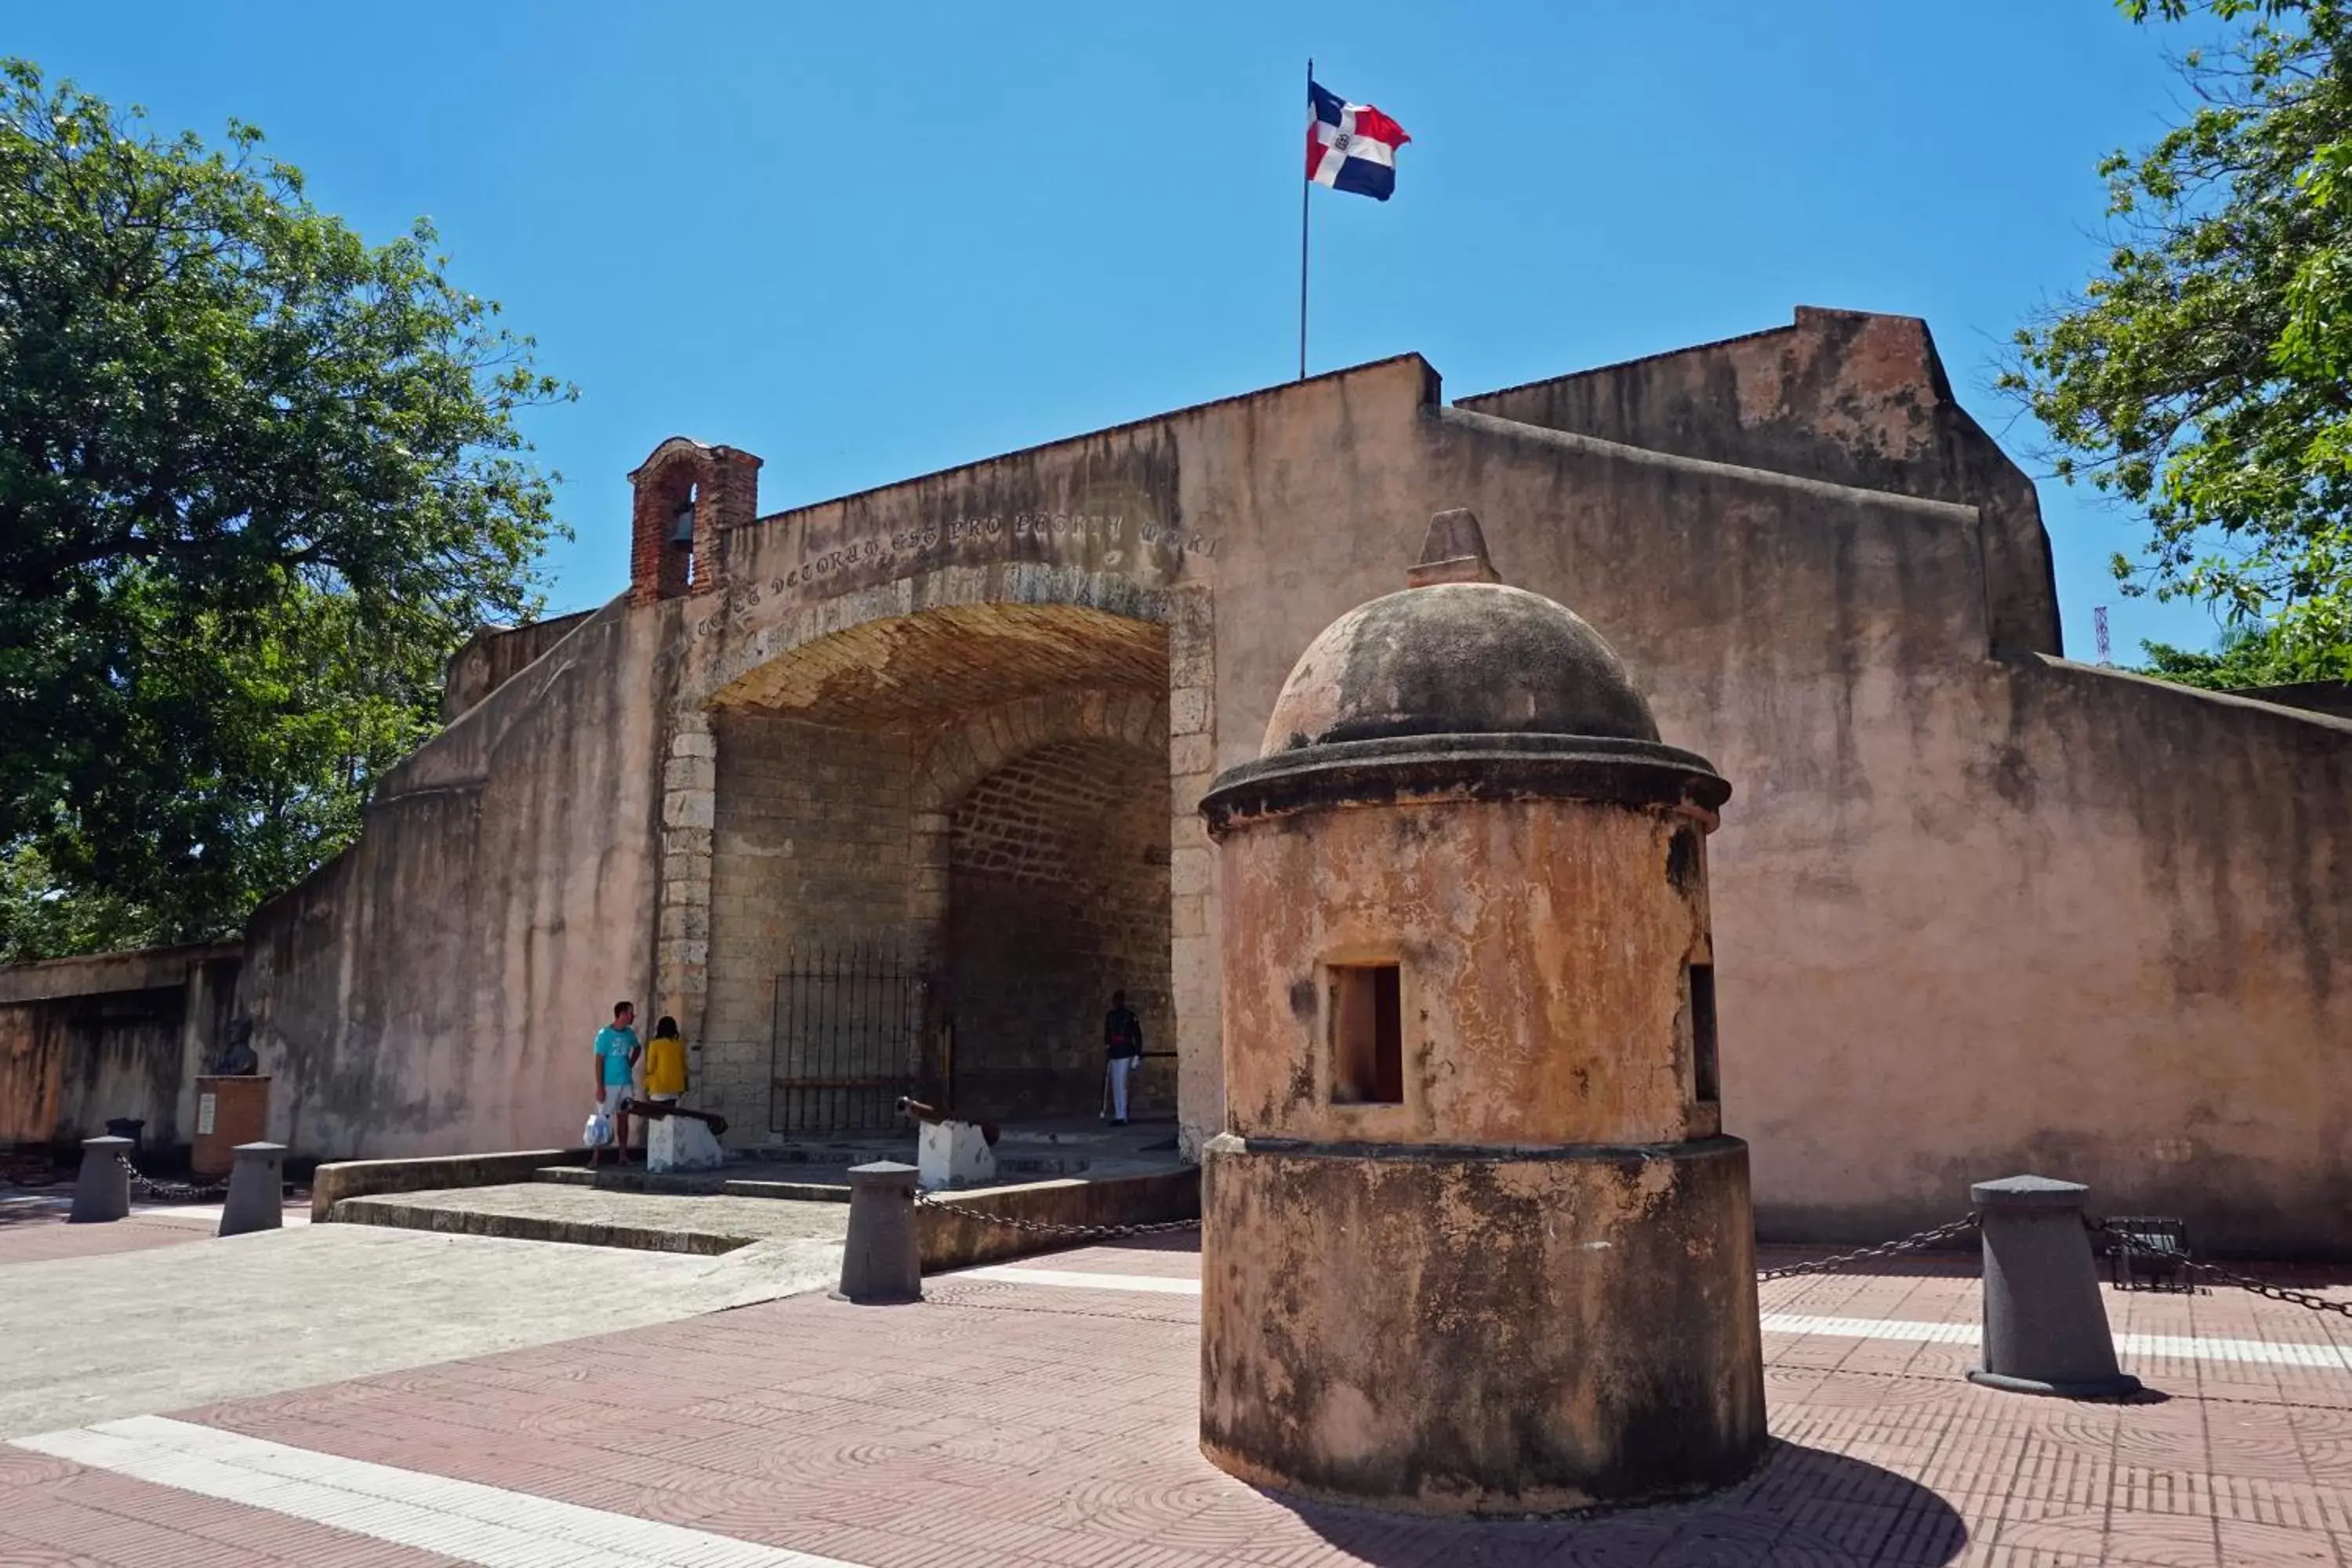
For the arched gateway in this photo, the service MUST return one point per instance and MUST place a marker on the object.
(939, 841)
(925, 793)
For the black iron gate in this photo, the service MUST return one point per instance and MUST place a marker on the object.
(847, 1039)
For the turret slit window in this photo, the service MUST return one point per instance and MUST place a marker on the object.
(1365, 1018)
(1700, 981)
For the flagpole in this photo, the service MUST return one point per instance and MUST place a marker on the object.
(1305, 186)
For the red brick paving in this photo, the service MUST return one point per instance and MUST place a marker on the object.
(1171, 1256)
(1001, 1423)
(35, 1231)
(1940, 1292)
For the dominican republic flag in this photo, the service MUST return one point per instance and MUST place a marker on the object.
(1350, 146)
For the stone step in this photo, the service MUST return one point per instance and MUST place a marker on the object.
(629, 1179)
(828, 1153)
(407, 1213)
(956, 1232)
(793, 1192)
(697, 1184)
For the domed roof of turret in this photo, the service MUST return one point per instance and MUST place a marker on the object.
(1457, 659)
(1460, 683)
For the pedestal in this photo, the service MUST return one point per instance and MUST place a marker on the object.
(230, 1109)
(681, 1143)
(954, 1154)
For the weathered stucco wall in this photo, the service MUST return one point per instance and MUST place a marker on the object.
(1539, 965)
(1973, 916)
(2333, 698)
(1842, 395)
(2087, 924)
(65, 1068)
(495, 655)
(1921, 820)
(1958, 898)
(435, 989)
(1833, 649)
(1975, 910)
(86, 1040)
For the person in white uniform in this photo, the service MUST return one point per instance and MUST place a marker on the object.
(1123, 1043)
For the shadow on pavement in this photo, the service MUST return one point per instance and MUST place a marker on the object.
(1802, 1506)
(18, 1207)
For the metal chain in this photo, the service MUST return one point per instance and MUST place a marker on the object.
(1110, 1232)
(1925, 1238)
(1917, 1242)
(155, 1189)
(2293, 1298)
(1048, 1228)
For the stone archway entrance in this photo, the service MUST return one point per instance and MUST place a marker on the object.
(982, 792)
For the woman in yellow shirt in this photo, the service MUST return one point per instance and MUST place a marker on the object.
(665, 1062)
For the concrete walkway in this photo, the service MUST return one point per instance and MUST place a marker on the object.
(94, 1338)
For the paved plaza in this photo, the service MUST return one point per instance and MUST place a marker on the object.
(1042, 1413)
(151, 1313)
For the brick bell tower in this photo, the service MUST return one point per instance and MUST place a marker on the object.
(687, 497)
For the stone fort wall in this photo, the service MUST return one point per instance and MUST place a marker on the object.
(425, 991)
(1976, 909)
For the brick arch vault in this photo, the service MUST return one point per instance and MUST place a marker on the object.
(976, 801)
(1057, 875)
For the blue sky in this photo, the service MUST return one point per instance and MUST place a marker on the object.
(866, 243)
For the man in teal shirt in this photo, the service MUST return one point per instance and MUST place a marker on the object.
(617, 1061)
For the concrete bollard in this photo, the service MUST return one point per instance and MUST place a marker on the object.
(256, 1190)
(2045, 1328)
(880, 1265)
(103, 1189)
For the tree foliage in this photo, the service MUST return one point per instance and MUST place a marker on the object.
(2206, 375)
(258, 478)
(2249, 655)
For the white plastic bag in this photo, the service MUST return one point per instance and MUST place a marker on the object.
(599, 1131)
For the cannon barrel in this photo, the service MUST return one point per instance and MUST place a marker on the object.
(659, 1109)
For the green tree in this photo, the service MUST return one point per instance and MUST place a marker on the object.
(2249, 655)
(2205, 377)
(258, 478)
